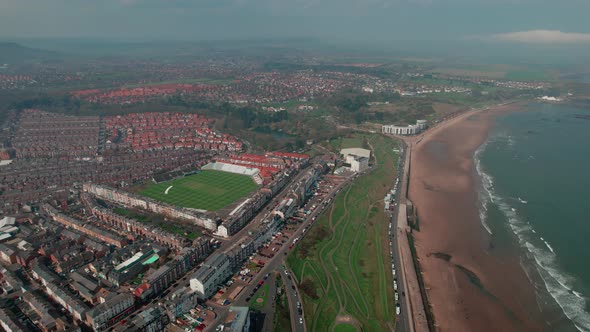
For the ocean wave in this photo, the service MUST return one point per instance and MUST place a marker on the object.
(487, 186)
(548, 246)
(557, 283)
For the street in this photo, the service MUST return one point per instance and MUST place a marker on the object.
(275, 263)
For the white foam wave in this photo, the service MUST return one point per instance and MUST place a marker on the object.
(487, 185)
(549, 247)
(558, 284)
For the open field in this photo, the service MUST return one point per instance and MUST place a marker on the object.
(343, 265)
(183, 81)
(490, 72)
(207, 190)
(340, 143)
(528, 75)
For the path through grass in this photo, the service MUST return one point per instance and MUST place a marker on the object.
(349, 265)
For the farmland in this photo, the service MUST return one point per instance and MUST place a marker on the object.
(207, 190)
(342, 266)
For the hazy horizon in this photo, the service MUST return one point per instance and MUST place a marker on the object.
(533, 21)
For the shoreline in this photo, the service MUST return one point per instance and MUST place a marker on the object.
(556, 294)
(470, 287)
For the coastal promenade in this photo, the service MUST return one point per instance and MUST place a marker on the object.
(413, 316)
(412, 302)
(458, 269)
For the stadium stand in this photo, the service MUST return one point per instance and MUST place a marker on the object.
(254, 173)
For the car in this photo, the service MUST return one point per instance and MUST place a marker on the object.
(397, 310)
(248, 299)
(261, 283)
(396, 296)
(293, 287)
(300, 320)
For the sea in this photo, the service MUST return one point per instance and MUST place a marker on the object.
(535, 201)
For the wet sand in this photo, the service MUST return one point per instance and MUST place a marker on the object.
(470, 286)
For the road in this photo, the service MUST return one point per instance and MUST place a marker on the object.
(297, 320)
(275, 263)
(404, 320)
(412, 311)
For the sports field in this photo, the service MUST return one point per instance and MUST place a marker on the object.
(208, 190)
(343, 264)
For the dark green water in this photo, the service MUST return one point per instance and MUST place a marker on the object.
(535, 171)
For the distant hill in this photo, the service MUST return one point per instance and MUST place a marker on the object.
(16, 53)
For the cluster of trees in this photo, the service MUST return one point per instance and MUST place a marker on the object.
(308, 287)
(379, 71)
(47, 101)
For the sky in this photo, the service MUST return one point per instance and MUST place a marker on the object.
(513, 21)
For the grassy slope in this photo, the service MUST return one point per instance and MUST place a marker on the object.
(209, 190)
(350, 267)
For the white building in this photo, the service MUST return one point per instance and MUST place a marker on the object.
(404, 130)
(355, 151)
(7, 221)
(208, 277)
(357, 164)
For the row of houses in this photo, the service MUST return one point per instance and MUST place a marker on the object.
(133, 227)
(86, 228)
(162, 278)
(128, 199)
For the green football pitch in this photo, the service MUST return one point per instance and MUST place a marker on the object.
(208, 190)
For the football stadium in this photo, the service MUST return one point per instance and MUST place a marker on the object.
(216, 186)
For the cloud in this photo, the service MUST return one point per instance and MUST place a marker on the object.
(543, 37)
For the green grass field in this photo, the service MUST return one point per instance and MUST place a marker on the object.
(207, 190)
(259, 299)
(340, 143)
(528, 75)
(343, 263)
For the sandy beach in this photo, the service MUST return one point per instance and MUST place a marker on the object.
(470, 286)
